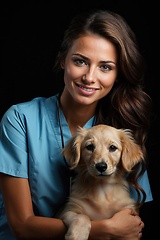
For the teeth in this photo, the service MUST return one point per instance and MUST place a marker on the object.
(87, 89)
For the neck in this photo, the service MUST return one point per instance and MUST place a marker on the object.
(76, 114)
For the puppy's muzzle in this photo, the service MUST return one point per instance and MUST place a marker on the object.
(101, 167)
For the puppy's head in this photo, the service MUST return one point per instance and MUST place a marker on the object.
(101, 148)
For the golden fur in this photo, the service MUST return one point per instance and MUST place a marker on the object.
(102, 155)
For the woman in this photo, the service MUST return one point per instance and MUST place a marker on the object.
(103, 83)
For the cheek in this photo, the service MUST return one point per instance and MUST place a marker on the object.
(69, 75)
(108, 81)
(72, 72)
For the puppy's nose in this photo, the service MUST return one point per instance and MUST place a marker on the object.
(101, 167)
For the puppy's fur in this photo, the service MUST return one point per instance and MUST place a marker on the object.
(102, 155)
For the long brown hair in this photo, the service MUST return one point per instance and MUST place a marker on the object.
(127, 105)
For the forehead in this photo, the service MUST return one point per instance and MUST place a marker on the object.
(93, 46)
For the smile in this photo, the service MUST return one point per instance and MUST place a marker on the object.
(87, 89)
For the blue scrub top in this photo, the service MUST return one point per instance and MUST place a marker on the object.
(30, 147)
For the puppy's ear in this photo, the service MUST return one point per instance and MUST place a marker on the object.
(131, 151)
(72, 150)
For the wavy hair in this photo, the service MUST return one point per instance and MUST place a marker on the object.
(127, 105)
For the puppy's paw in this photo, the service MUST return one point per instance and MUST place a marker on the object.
(79, 229)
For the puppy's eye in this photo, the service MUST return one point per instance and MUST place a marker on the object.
(90, 147)
(112, 148)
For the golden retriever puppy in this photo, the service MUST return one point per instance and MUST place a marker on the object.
(102, 155)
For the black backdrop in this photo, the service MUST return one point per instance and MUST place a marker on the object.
(30, 35)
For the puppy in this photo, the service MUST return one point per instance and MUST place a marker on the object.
(101, 155)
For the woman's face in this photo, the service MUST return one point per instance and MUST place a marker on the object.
(90, 69)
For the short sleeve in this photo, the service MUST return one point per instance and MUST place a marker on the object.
(13, 154)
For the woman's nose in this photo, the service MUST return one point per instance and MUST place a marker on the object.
(89, 78)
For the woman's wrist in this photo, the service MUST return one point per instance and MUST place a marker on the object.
(101, 229)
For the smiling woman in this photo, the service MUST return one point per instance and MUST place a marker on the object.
(103, 77)
(95, 58)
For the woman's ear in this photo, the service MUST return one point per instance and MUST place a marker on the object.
(62, 64)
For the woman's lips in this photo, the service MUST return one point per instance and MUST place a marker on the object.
(86, 91)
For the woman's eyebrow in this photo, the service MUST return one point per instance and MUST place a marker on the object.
(108, 61)
(80, 55)
(86, 58)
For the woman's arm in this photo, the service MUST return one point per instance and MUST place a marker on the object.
(25, 225)
(19, 210)
(126, 225)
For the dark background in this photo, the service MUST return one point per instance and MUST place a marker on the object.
(30, 34)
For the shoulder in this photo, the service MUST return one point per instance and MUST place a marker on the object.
(31, 107)
(30, 111)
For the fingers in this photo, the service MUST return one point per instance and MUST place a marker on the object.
(140, 235)
(141, 225)
(139, 222)
(133, 212)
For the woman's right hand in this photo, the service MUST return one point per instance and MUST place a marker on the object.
(124, 225)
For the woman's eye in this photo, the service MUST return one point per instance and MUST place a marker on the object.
(79, 62)
(106, 68)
